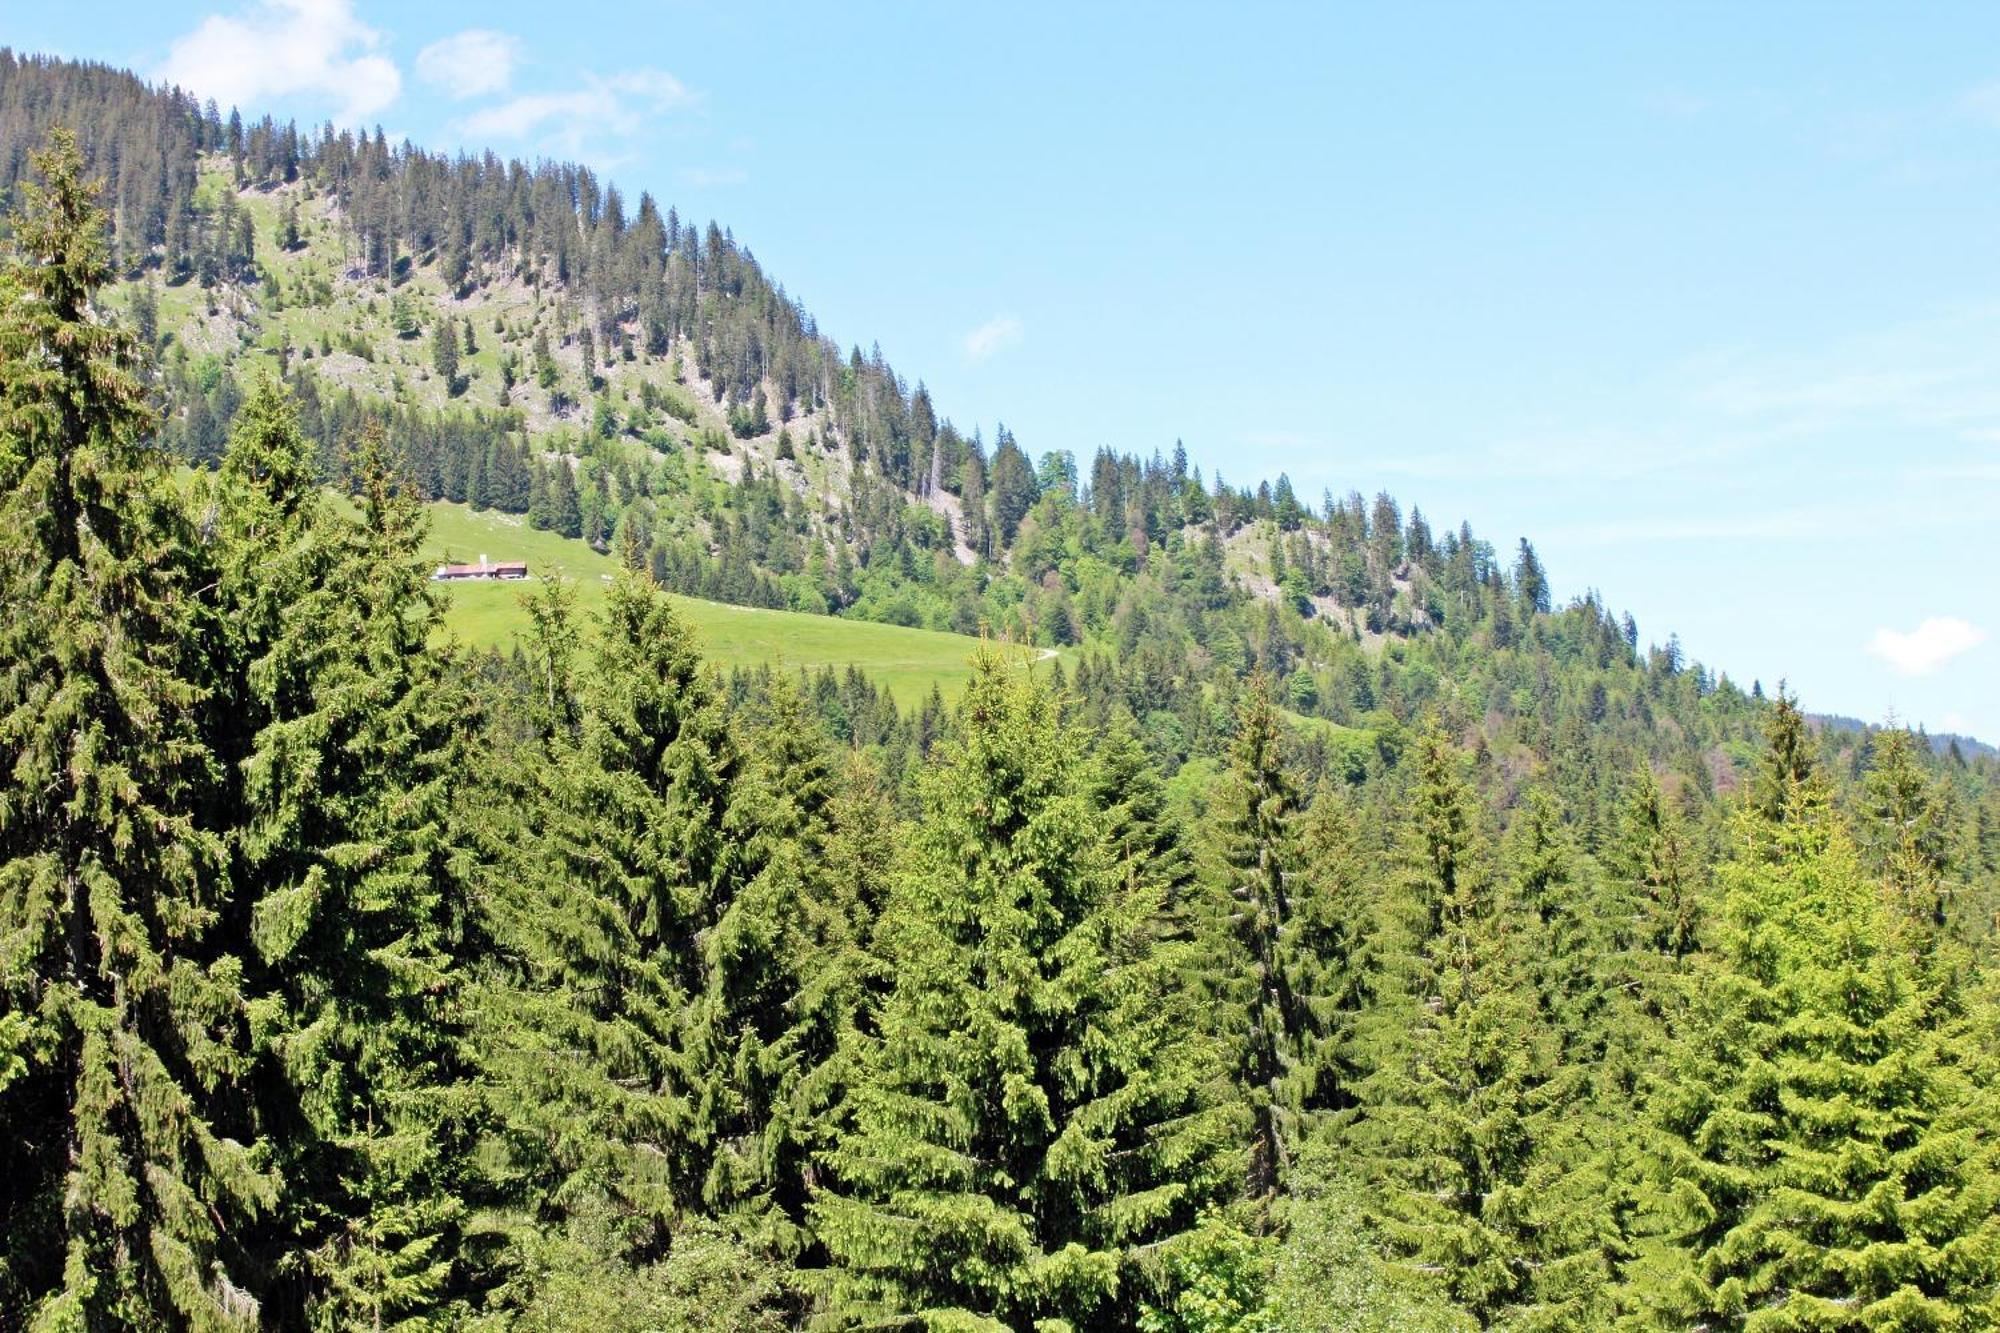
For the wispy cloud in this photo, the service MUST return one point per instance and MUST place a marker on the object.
(283, 48)
(605, 107)
(1927, 647)
(472, 63)
(709, 178)
(995, 335)
(1792, 524)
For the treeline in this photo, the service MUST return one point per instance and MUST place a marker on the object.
(919, 497)
(646, 280)
(348, 982)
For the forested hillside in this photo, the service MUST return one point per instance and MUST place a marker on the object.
(1343, 935)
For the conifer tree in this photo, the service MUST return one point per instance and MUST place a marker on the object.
(1787, 765)
(775, 998)
(1468, 1132)
(1822, 1161)
(128, 1167)
(1568, 925)
(600, 906)
(1908, 848)
(1657, 865)
(1253, 861)
(348, 739)
(1329, 960)
(1029, 1116)
(444, 356)
(565, 509)
(1145, 842)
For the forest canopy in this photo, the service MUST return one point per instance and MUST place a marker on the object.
(1388, 948)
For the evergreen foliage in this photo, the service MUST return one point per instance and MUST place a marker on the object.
(1388, 947)
(1824, 1161)
(1026, 1119)
(1469, 1127)
(131, 1176)
(346, 739)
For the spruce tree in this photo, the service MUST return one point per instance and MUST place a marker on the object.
(776, 997)
(129, 1171)
(349, 738)
(1468, 1131)
(1658, 868)
(610, 860)
(444, 357)
(1908, 848)
(1029, 1116)
(1570, 926)
(565, 511)
(1787, 763)
(1823, 1160)
(1146, 843)
(1253, 861)
(1329, 959)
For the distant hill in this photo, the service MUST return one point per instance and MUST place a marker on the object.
(583, 367)
(547, 346)
(1940, 742)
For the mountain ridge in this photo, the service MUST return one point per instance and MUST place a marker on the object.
(638, 381)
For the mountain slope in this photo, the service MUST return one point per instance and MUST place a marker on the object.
(908, 663)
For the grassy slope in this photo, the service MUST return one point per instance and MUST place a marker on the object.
(907, 661)
(320, 301)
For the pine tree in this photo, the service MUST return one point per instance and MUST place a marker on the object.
(128, 1167)
(1029, 1115)
(1467, 1132)
(1253, 860)
(349, 738)
(611, 858)
(1822, 1161)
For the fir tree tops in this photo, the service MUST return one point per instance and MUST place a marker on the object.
(1029, 1115)
(128, 1169)
(350, 980)
(1826, 1157)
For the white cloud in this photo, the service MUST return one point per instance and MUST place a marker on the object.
(282, 48)
(1955, 722)
(1780, 524)
(614, 106)
(708, 178)
(1927, 647)
(471, 63)
(993, 336)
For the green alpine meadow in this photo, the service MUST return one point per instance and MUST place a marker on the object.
(538, 792)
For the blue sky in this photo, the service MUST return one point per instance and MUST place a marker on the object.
(1705, 300)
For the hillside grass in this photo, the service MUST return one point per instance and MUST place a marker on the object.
(317, 306)
(908, 662)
